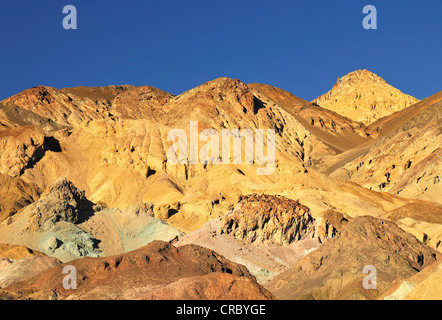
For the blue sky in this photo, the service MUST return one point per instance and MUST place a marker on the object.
(299, 46)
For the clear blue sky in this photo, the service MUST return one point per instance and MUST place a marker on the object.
(300, 46)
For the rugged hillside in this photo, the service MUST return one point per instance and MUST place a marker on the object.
(266, 233)
(405, 161)
(64, 224)
(13, 252)
(65, 107)
(85, 173)
(21, 148)
(274, 220)
(329, 133)
(426, 285)
(12, 116)
(16, 194)
(140, 103)
(364, 96)
(335, 270)
(397, 119)
(123, 162)
(422, 219)
(156, 271)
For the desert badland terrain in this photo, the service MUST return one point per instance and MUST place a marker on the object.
(85, 181)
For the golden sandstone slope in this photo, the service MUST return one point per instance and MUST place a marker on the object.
(112, 143)
(364, 96)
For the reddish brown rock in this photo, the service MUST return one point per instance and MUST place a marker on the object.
(26, 268)
(140, 103)
(145, 271)
(67, 107)
(336, 269)
(213, 286)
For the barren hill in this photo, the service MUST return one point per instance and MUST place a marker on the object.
(336, 269)
(63, 223)
(156, 271)
(364, 96)
(406, 160)
(425, 285)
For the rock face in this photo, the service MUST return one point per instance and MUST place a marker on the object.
(271, 219)
(67, 107)
(266, 233)
(20, 148)
(61, 202)
(153, 271)
(335, 270)
(16, 194)
(50, 224)
(404, 161)
(364, 96)
(426, 285)
(64, 224)
(140, 103)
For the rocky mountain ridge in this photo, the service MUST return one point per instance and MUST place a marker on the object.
(85, 179)
(364, 96)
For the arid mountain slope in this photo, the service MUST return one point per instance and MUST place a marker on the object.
(120, 163)
(267, 234)
(330, 133)
(21, 148)
(364, 96)
(12, 116)
(100, 95)
(156, 271)
(421, 219)
(405, 161)
(388, 123)
(425, 285)
(13, 252)
(336, 269)
(65, 107)
(112, 142)
(63, 223)
(140, 103)
(16, 194)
